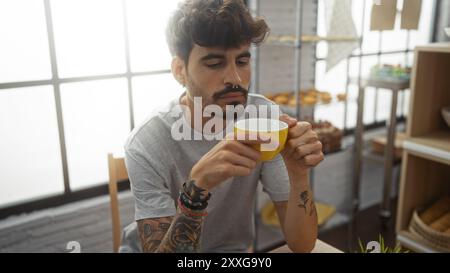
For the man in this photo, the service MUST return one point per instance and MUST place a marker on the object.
(197, 195)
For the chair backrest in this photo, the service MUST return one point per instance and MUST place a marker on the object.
(117, 172)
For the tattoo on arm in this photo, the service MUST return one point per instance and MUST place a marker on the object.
(303, 203)
(179, 234)
(304, 198)
(152, 231)
(183, 235)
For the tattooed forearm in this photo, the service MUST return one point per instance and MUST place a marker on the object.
(183, 235)
(304, 198)
(303, 203)
(152, 231)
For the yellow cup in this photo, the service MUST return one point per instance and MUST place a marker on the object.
(272, 130)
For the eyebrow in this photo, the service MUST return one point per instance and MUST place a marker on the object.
(245, 54)
(210, 56)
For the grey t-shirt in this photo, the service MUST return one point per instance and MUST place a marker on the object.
(158, 165)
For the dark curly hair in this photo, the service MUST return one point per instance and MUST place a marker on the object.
(212, 23)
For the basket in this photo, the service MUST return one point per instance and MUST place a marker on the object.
(439, 240)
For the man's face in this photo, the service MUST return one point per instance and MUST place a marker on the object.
(220, 76)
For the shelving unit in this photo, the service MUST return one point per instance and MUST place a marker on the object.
(296, 41)
(395, 86)
(426, 151)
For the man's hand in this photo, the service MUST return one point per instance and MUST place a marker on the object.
(303, 150)
(230, 157)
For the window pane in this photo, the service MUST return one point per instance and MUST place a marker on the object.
(395, 39)
(89, 37)
(322, 47)
(384, 104)
(96, 122)
(30, 158)
(24, 51)
(422, 35)
(146, 25)
(333, 82)
(371, 38)
(153, 92)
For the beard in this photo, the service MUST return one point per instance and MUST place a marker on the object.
(230, 95)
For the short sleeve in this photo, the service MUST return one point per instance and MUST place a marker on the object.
(149, 186)
(275, 179)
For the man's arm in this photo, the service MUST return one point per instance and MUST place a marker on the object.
(298, 216)
(152, 232)
(179, 233)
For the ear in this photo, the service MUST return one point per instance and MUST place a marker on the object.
(178, 70)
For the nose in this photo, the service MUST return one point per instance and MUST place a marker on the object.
(232, 76)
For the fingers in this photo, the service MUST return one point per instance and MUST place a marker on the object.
(242, 149)
(300, 128)
(307, 138)
(313, 159)
(237, 170)
(307, 149)
(239, 160)
(289, 120)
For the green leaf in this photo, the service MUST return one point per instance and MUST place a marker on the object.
(361, 247)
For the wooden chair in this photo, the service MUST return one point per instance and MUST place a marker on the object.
(117, 172)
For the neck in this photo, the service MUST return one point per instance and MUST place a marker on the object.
(188, 101)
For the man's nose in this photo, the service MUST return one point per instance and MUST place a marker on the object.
(232, 76)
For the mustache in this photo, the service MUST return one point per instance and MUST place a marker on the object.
(230, 89)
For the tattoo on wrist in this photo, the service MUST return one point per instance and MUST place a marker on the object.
(303, 203)
(304, 198)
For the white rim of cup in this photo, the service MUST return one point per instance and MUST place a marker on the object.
(273, 123)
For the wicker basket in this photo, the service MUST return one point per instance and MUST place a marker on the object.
(435, 238)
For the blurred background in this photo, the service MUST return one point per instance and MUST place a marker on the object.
(77, 76)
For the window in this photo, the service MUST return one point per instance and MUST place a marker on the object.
(24, 54)
(30, 153)
(377, 102)
(146, 20)
(93, 41)
(163, 87)
(89, 37)
(96, 122)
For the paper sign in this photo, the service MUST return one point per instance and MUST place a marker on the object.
(411, 14)
(383, 15)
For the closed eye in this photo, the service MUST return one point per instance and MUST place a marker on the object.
(243, 61)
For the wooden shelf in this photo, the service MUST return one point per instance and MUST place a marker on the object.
(414, 243)
(434, 146)
(286, 40)
(426, 150)
(436, 47)
(392, 84)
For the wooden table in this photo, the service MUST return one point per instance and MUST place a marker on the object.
(320, 247)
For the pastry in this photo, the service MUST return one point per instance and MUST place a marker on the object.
(325, 97)
(281, 99)
(309, 100)
(437, 210)
(442, 223)
(342, 97)
(291, 102)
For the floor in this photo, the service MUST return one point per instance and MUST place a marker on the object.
(88, 222)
